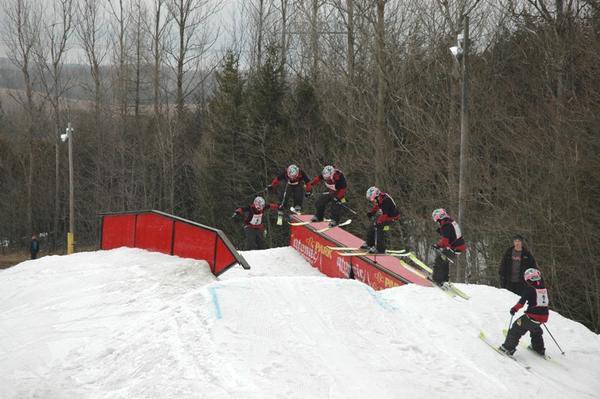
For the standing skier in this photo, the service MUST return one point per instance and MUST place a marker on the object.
(515, 261)
(295, 177)
(382, 215)
(335, 181)
(536, 296)
(253, 222)
(449, 246)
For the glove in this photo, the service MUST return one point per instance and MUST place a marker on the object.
(386, 228)
(513, 311)
(307, 194)
(308, 187)
(270, 188)
(239, 211)
(343, 200)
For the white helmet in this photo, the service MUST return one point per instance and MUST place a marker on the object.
(532, 274)
(328, 172)
(293, 171)
(259, 203)
(373, 193)
(439, 214)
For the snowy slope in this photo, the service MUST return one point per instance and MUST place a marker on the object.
(128, 323)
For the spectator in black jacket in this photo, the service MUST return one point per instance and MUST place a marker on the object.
(34, 247)
(515, 261)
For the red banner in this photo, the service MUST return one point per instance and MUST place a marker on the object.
(378, 271)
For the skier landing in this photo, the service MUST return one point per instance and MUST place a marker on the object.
(536, 296)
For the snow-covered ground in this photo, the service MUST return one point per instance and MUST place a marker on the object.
(128, 323)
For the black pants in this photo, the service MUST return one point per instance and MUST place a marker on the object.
(295, 192)
(376, 236)
(321, 204)
(33, 255)
(519, 328)
(254, 238)
(441, 266)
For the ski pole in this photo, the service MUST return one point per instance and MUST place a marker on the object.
(284, 194)
(562, 352)
(347, 207)
(443, 255)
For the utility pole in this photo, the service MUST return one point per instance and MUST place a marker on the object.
(71, 235)
(464, 124)
(464, 130)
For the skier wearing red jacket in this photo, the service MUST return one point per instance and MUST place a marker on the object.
(536, 297)
(449, 246)
(253, 222)
(335, 181)
(383, 214)
(295, 178)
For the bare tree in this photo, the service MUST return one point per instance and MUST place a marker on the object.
(21, 36)
(93, 40)
(51, 51)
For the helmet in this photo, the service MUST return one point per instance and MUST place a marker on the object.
(373, 193)
(438, 214)
(532, 275)
(259, 203)
(328, 172)
(293, 171)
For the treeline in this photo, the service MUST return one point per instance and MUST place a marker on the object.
(171, 122)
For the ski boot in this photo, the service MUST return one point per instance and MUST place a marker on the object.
(333, 223)
(372, 250)
(506, 351)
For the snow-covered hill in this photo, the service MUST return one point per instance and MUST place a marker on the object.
(133, 324)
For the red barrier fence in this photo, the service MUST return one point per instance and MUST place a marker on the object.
(160, 232)
(378, 271)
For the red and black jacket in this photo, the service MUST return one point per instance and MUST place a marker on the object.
(284, 177)
(388, 208)
(451, 236)
(536, 296)
(336, 184)
(253, 218)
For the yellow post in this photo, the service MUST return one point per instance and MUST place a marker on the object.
(70, 243)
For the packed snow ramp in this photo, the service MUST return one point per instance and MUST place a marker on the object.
(127, 323)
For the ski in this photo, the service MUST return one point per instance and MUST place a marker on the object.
(412, 269)
(353, 253)
(307, 222)
(397, 251)
(458, 292)
(347, 222)
(483, 337)
(419, 262)
(402, 253)
(344, 248)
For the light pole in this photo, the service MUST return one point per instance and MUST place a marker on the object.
(71, 234)
(460, 53)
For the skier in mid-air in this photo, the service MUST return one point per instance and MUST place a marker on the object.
(253, 222)
(335, 181)
(382, 215)
(536, 296)
(449, 246)
(295, 178)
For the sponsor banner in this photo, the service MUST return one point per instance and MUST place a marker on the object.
(315, 249)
